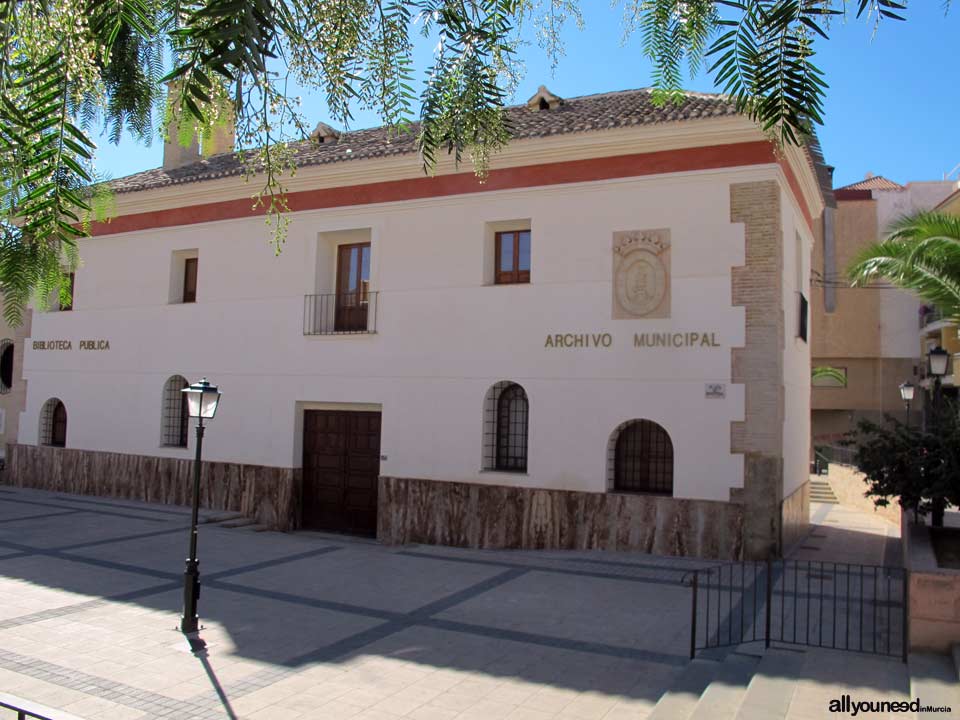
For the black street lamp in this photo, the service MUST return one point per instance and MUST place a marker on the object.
(906, 394)
(202, 399)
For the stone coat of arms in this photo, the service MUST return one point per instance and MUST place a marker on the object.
(641, 274)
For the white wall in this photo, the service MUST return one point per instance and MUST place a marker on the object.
(797, 254)
(443, 337)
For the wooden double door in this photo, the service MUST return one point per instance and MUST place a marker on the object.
(341, 468)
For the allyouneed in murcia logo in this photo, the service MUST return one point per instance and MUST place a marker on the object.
(846, 704)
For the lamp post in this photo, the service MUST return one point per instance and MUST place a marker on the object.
(906, 394)
(202, 399)
(938, 358)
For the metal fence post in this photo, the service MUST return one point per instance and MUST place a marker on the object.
(693, 617)
(766, 638)
(906, 613)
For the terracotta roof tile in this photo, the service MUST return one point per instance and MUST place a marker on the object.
(582, 114)
(877, 182)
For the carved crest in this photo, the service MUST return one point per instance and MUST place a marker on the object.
(641, 274)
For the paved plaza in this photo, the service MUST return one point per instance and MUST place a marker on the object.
(307, 625)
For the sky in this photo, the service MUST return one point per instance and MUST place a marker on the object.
(892, 108)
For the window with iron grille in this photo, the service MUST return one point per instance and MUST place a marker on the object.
(6, 365)
(640, 458)
(53, 423)
(176, 421)
(506, 416)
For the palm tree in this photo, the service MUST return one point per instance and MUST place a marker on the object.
(920, 253)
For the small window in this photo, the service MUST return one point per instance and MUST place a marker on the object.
(513, 257)
(190, 280)
(804, 311)
(67, 304)
(175, 421)
(640, 458)
(6, 366)
(506, 425)
(53, 423)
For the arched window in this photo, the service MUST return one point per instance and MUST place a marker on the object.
(53, 423)
(506, 414)
(175, 421)
(6, 365)
(640, 458)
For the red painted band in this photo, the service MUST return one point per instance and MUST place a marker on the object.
(557, 173)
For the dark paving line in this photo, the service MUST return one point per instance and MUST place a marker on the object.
(95, 512)
(123, 538)
(404, 621)
(185, 512)
(545, 569)
(559, 643)
(41, 517)
(65, 610)
(108, 564)
(155, 704)
(644, 566)
(271, 563)
(304, 601)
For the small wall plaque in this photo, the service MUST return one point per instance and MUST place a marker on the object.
(715, 390)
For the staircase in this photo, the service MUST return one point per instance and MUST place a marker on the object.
(782, 683)
(821, 492)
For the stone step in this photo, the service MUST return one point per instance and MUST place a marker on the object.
(237, 523)
(679, 702)
(771, 688)
(255, 528)
(219, 517)
(933, 680)
(724, 695)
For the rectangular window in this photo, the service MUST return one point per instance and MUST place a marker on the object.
(353, 287)
(68, 305)
(804, 310)
(190, 280)
(513, 257)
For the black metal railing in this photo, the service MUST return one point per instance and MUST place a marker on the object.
(930, 314)
(840, 606)
(27, 710)
(340, 313)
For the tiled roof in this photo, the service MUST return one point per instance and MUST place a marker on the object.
(877, 182)
(582, 114)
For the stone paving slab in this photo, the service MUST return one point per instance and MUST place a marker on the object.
(318, 626)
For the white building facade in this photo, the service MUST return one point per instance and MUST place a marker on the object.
(602, 345)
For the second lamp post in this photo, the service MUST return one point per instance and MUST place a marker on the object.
(202, 399)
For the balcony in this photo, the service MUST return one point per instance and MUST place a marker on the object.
(929, 315)
(340, 313)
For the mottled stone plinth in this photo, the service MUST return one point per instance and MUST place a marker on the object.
(795, 517)
(269, 494)
(493, 516)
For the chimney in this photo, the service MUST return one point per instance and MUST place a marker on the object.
(220, 139)
(223, 137)
(175, 154)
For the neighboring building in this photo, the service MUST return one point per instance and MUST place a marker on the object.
(602, 345)
(870, 334)
(13, 388)
(935, 330)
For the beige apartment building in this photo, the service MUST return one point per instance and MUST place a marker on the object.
(869, 334)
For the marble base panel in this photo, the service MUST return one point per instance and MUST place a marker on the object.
(795, 517)
(271, 495)
(493, 516)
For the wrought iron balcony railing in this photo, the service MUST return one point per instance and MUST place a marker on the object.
(340, 313)
(930, 314)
